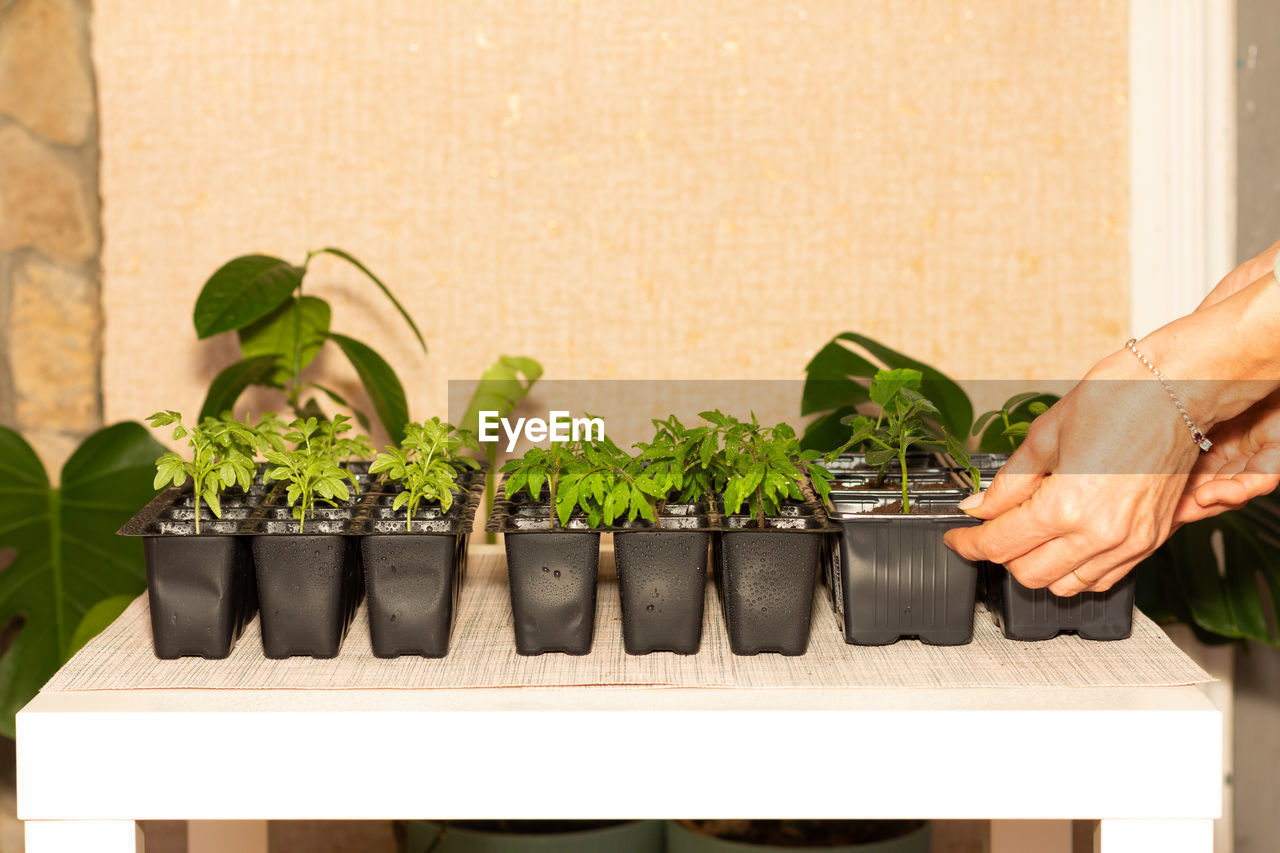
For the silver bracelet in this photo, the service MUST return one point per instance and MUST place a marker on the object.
(1197, 435)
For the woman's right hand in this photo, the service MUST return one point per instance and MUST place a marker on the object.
(1243, 464)
(1242, 276)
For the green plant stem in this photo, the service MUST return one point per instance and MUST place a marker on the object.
(902, 463)
(1004, 416)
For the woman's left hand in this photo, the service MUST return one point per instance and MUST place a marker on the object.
(1093, 489)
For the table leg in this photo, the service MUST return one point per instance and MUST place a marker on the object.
(226, 836)
(1019, 836)
(1144, 836)
(78, 836)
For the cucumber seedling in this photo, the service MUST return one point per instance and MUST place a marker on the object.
(1014, 430)
(222, 455)
(899, 426)
(426, 465)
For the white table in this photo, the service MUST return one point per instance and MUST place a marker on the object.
(1145, 762)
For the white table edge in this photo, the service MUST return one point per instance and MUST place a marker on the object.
(1036, 753)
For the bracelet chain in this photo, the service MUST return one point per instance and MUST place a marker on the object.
(1197, 435)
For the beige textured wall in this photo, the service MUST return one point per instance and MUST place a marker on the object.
(622, 189)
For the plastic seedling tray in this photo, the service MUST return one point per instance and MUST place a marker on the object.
(892, 577)
(553, 571)
(662, 581)
(766, 577)
(310, 577)
(1037, 614)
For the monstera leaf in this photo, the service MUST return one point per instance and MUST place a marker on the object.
(837, 379)
(67, 557)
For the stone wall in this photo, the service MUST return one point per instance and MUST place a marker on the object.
(50, 305)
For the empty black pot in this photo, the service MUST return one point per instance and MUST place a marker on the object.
(1037, 614)
(766, 589)
(662, 582)
(412, 581)
(309, 587)
(552, 575)
(201, 591)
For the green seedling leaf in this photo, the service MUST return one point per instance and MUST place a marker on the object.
(887, 385)
(243, 290)
(67, 556)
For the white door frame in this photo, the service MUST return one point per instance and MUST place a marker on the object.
(1182, 163)
(1182, 196)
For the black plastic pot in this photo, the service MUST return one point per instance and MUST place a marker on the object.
(201, 592)
(309, 587)
(892, 577)
(1037, 614)
(766, 579)
(662, 581)
(412, 583)
(552, 574)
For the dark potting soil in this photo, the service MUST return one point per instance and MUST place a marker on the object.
(897, 486)
(805, 833)
(895, 508)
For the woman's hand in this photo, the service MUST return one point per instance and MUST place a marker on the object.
(1242, 276)
(1243, 464)
(1093, 489)
(1102, 478)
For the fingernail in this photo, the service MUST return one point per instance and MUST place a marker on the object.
(972, 502)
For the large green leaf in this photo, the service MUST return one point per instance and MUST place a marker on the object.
(346, 256)
(380, 383)
(230, 383)
(837, 378)
(951, 400)
(243, 290)
(1222, 600)
(501, 388)
(68, 557)
(96, 620)
(504, 384)
(293, 334)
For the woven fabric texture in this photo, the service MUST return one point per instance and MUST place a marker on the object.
(483, 654)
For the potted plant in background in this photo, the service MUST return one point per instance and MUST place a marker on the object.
(281, 331)
(779, 836)
(1021, 612)
(413, 552)
(891, 575)
(769, 556)
(308, 582)
(200, 582)
(532, 836)
(662, 555)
